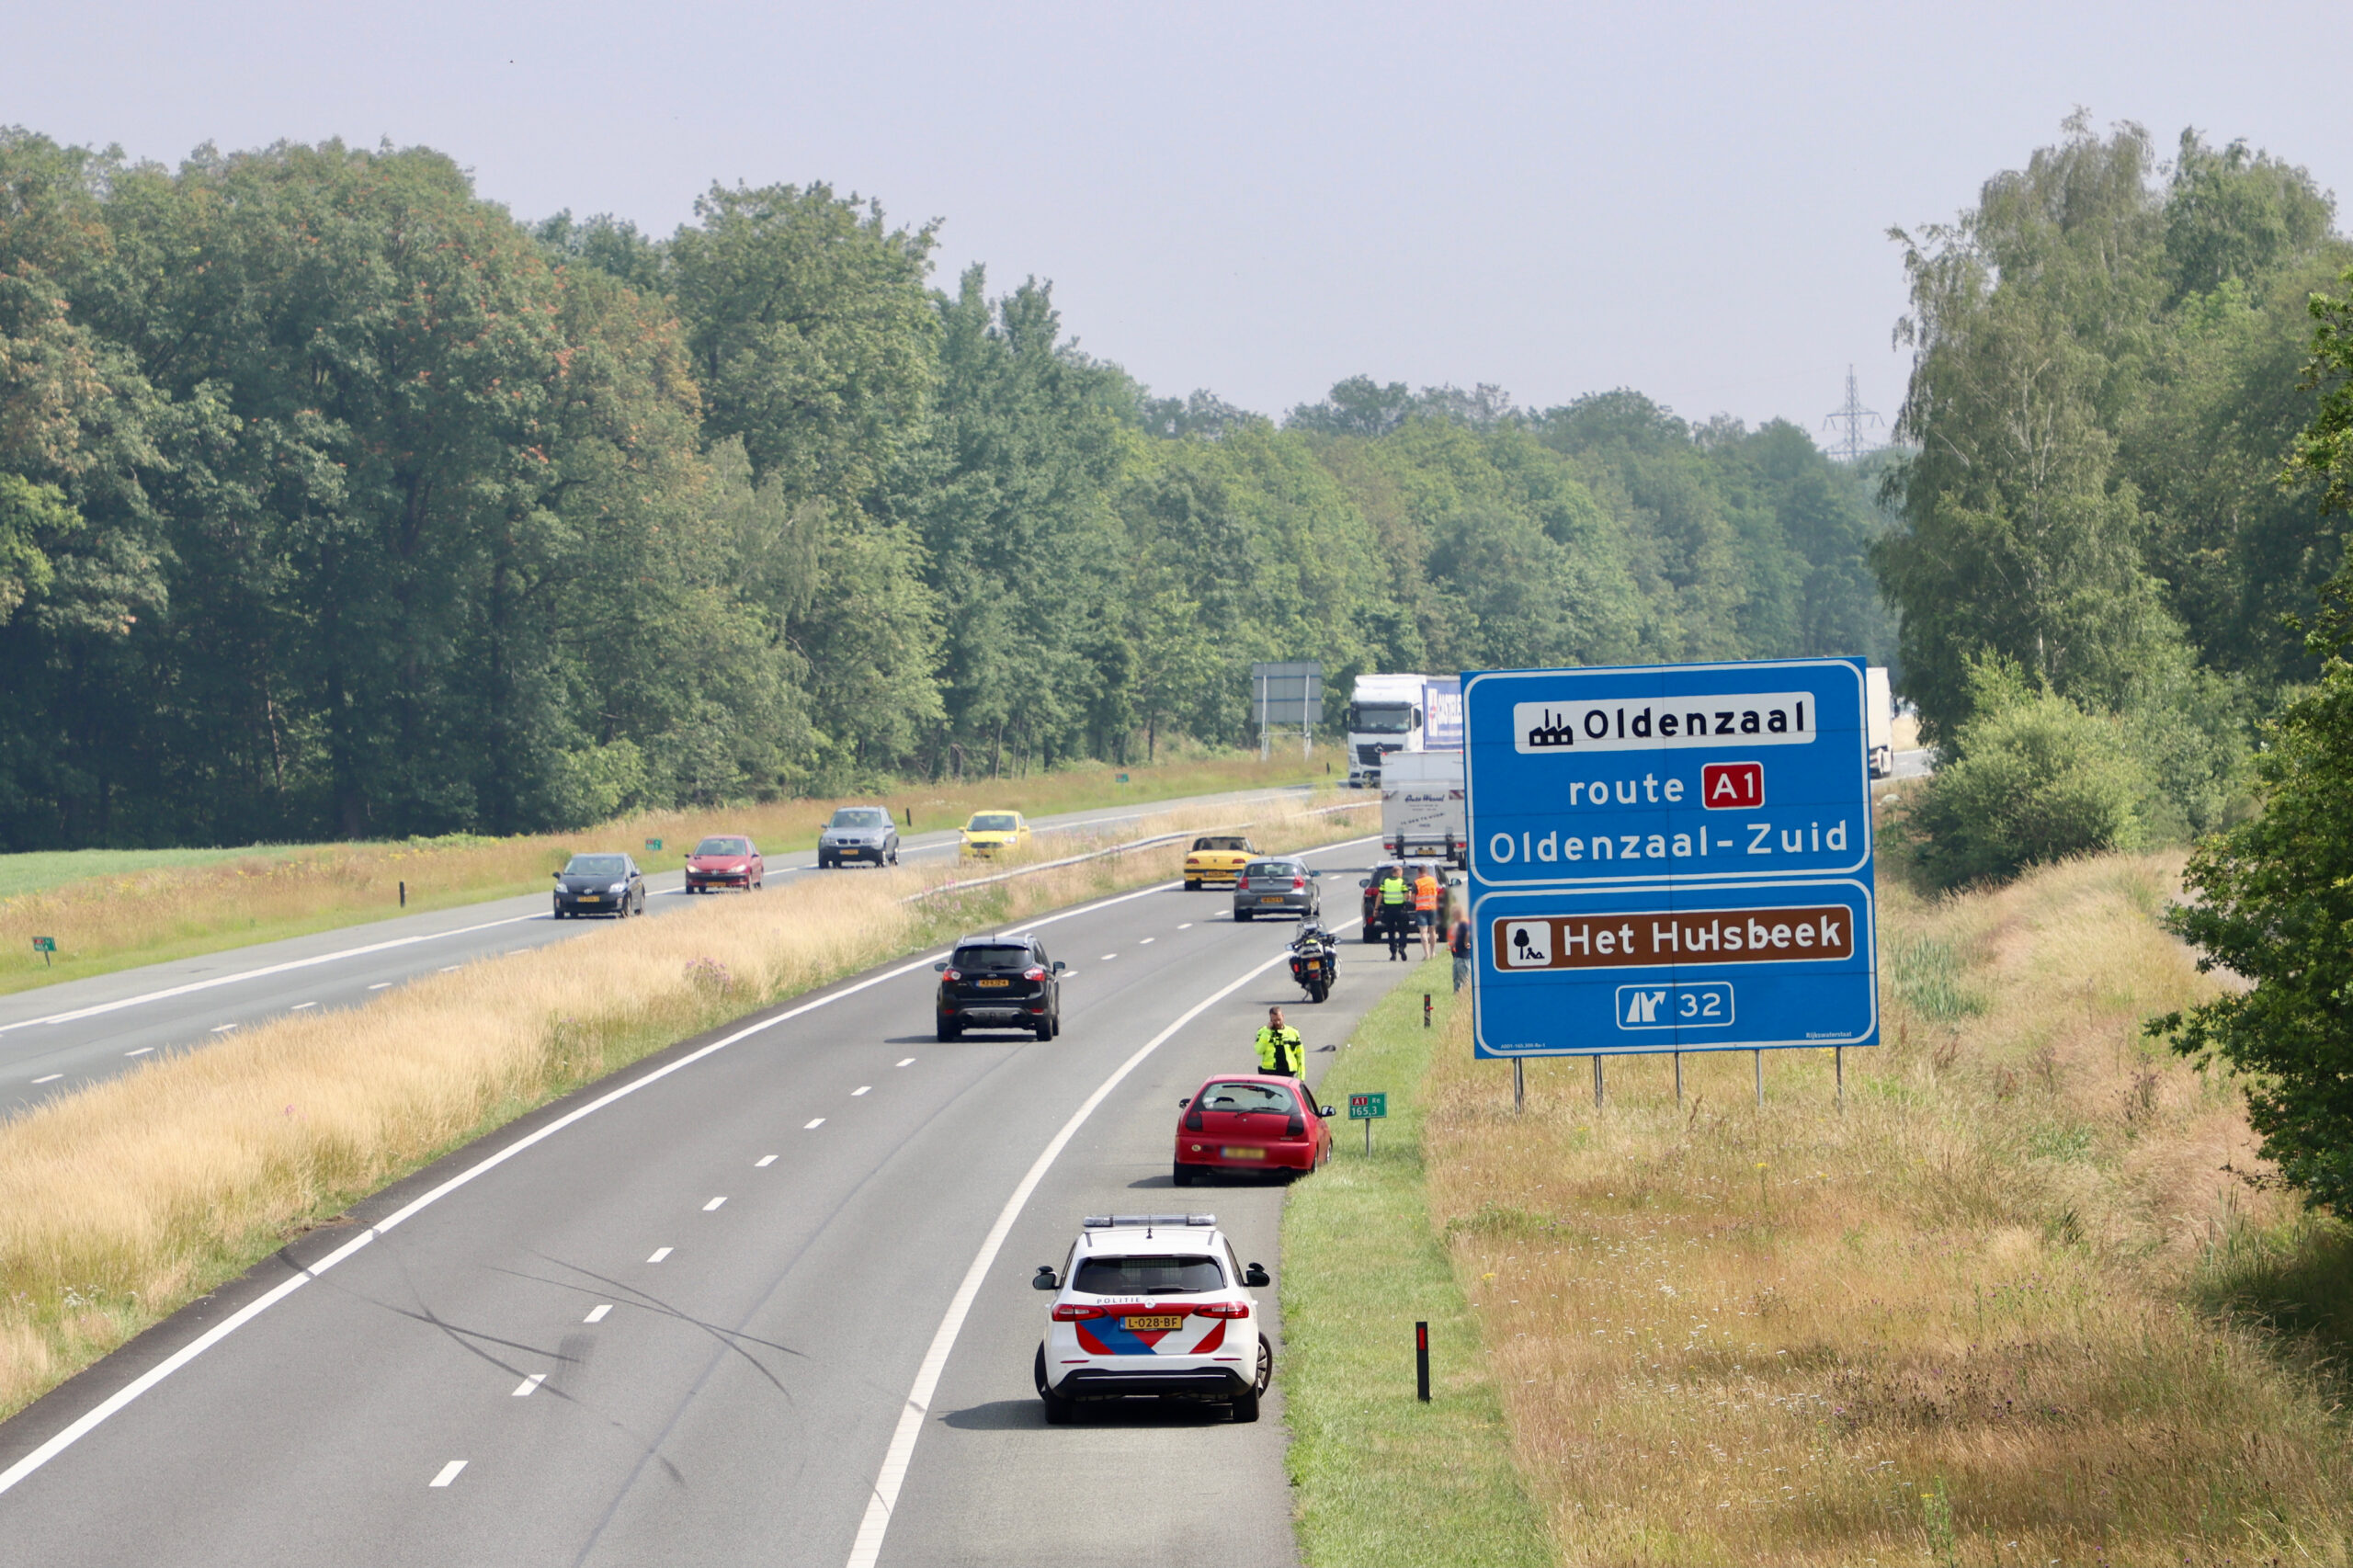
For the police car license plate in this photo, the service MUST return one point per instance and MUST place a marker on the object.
(1152, 1325)
(1244, 1154)
(985, 984)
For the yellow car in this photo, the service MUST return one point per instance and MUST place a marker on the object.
(1218, 860)
(991, 834)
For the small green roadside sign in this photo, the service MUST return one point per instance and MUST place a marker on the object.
(44, 946)
(1369, 1109)
(654, 846)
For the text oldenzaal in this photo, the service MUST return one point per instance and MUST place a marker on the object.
(1752, 718)
(1671, 936)
(1750, 838)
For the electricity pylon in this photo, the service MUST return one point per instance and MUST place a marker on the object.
(1850, 447)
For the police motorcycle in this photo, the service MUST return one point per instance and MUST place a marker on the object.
(1315, 961)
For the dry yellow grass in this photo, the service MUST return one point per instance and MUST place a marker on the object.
(119, 1204)
(1948, 1325)
(104, 923)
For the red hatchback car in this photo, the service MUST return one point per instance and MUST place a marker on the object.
(730, 860)
(1245, 1122)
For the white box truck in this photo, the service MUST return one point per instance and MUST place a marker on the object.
(1422, 810)
(1879, 720)
(1384, 718)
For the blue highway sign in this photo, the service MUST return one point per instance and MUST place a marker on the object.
(1675, 857)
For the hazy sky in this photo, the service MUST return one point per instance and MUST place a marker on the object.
(1260, 199)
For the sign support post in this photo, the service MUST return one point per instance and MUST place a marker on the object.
(1519, 1085)
(1679, 1080)
(1597, 1082)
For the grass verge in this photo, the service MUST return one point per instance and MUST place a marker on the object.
(122, 1203)
(146, 906)
(2016, 1303)
(1383, 1478)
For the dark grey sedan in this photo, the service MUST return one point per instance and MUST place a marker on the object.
(599, 884)
(1276, 887)
(858, 833)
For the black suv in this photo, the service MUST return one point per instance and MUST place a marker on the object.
(1000, 983)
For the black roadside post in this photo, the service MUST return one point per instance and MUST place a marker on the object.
(1422, 1363)
(403, 896)
(1425, 1009)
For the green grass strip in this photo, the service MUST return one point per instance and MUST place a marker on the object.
(1383, 1478)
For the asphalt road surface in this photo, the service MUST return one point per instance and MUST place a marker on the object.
(56, 1039)
(697, 1314)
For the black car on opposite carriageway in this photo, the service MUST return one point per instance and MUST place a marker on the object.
(599, 884)
(1000, 983)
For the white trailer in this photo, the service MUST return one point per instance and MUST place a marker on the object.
(1422, 810)
(1879, 720)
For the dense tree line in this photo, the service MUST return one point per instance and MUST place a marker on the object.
(2099, 522)
(335, 501)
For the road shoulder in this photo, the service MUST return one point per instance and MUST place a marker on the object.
(1380, 1477)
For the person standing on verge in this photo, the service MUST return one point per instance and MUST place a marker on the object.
(1393, 893)
(1281, 1051)
(1425, 910)
(1459, 941)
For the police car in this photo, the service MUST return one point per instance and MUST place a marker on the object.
(1152, 1305)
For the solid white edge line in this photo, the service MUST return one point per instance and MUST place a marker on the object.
(98, 1415)
(292, 964)
(867, 1549)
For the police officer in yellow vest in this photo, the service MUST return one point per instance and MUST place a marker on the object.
(1394, 893)
(1282, 1053)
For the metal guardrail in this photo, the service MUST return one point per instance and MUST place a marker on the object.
(1115, 849)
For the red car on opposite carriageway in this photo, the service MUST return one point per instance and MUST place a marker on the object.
(727, 860)
(1244, 1122)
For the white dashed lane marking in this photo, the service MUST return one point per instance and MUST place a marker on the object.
(448, 1473)
(222, 1029)
(523, 1390)
(659, 1254)
(51, 1079)
(713, 1204)
(763, 1161)
(597, 1314)
(382, 985)
(1107, 957)
(908, 1062)
(814, 1125)
(1186, 926)
(141, 1051)
(300, 1006)
(861, 1089)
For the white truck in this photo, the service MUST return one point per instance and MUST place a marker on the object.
(1879, 720)
(1385, 717)
(1422, 810)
